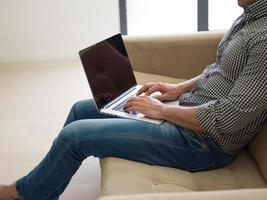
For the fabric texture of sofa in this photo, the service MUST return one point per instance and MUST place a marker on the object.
(173, 59)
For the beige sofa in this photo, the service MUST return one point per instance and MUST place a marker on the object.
(172, 59)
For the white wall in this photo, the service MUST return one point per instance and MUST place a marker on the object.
(33, 30)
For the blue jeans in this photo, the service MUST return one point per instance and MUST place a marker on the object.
(89, 133)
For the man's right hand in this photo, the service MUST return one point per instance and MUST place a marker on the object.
(168, 91)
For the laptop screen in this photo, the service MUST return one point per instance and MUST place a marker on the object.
(108, 69)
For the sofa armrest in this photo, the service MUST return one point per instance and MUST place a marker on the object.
(179, 56)
(244, 194)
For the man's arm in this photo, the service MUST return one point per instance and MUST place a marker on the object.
(179, 115)
(151, 107)
(246, 101)
(168, 91)
(182, 116)
(187, 86)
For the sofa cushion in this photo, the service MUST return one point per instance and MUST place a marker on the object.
(183, 55)
(258, 149)
(143, 78)
(121, 176)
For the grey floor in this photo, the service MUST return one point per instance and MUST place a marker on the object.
(35, 100)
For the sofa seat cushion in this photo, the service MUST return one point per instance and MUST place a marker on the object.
(143, 78)
(121, 176)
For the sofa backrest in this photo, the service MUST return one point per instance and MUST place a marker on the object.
(258, 149)
(178, 56)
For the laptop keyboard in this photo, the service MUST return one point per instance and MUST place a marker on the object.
(120, 107)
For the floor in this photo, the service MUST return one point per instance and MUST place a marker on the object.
(35, 100)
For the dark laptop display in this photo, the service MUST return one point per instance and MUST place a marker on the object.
(108, 69)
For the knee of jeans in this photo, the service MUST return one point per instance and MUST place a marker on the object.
(80, 106)
(76, 106)
(68, 136)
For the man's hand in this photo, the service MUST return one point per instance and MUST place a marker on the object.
(146, 105)
(168, 91)
(153, 108)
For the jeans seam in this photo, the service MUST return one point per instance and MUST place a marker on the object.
(148, 139)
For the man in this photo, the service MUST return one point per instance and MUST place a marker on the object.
(220, 112)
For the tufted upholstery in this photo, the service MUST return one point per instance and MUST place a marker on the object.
(127, 177)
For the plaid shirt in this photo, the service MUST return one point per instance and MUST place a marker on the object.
(231, 97)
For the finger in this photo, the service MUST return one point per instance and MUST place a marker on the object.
(134, 109)
(145, 88)
(161, 97)
(141, 90)
(137, 98)
(133, 99)
(143, 98)
(153, 89)
(131, 104)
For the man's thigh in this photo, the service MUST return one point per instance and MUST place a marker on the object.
(84, 109)
(165, 144)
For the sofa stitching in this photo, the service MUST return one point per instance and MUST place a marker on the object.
(156, 181)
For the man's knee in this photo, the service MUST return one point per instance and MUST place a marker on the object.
(83, 109)
(71, 142)
(80, 105)
(69, 135)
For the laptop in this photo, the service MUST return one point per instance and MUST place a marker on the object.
(111, 78)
